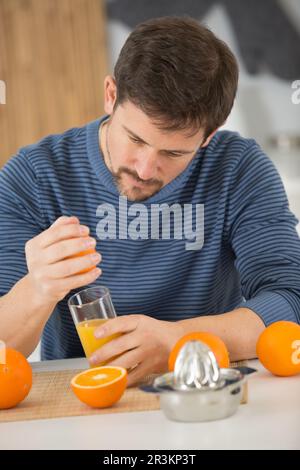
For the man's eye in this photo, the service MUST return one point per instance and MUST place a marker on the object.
(175, 155)
(136, 141)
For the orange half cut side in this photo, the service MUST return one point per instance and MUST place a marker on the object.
(100, 387)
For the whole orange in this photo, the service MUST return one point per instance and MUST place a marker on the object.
(15, 379)
(278, 348)
(215, 343)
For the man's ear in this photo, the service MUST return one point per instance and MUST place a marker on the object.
(110, 94)
(208, 139)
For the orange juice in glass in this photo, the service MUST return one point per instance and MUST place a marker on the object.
(90, 343)
(91, 308)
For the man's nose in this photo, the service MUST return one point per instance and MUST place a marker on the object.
(146, 166)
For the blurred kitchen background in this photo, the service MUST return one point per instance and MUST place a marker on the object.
(265, 37)
(54, 55)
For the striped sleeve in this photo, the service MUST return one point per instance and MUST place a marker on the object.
(262, 232)
(20, 218)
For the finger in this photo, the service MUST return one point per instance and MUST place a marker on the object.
(129, 360)
(61, 232)
(139, 373)
(122, 324)
(79, 280)
(64, 249)
(64, 219)
(114, 347)
(69, 267)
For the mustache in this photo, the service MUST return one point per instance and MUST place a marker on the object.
(132, 173)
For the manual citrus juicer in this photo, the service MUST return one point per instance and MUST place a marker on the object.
(198, 390)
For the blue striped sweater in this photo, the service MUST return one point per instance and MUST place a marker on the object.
(251, 251)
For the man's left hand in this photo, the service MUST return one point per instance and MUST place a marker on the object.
(143, 347)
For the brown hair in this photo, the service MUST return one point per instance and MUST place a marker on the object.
(179, 73)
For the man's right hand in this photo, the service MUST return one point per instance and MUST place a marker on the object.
(51, 269)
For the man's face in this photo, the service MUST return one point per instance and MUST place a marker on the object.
(142, 158)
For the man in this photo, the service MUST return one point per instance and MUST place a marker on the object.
(174, 85)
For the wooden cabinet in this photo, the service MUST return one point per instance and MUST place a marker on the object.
(53, 62)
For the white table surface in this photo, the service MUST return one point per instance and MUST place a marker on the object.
(270, 420)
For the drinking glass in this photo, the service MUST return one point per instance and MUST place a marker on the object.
(91, 308)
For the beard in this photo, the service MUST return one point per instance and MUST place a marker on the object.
(132, 192)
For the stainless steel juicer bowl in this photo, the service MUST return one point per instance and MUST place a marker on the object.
(199, 390)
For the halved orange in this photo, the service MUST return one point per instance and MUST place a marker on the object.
(100, 387)
(89, 251)
(215, 343)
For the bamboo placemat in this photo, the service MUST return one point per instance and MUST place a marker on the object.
(51, 397)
